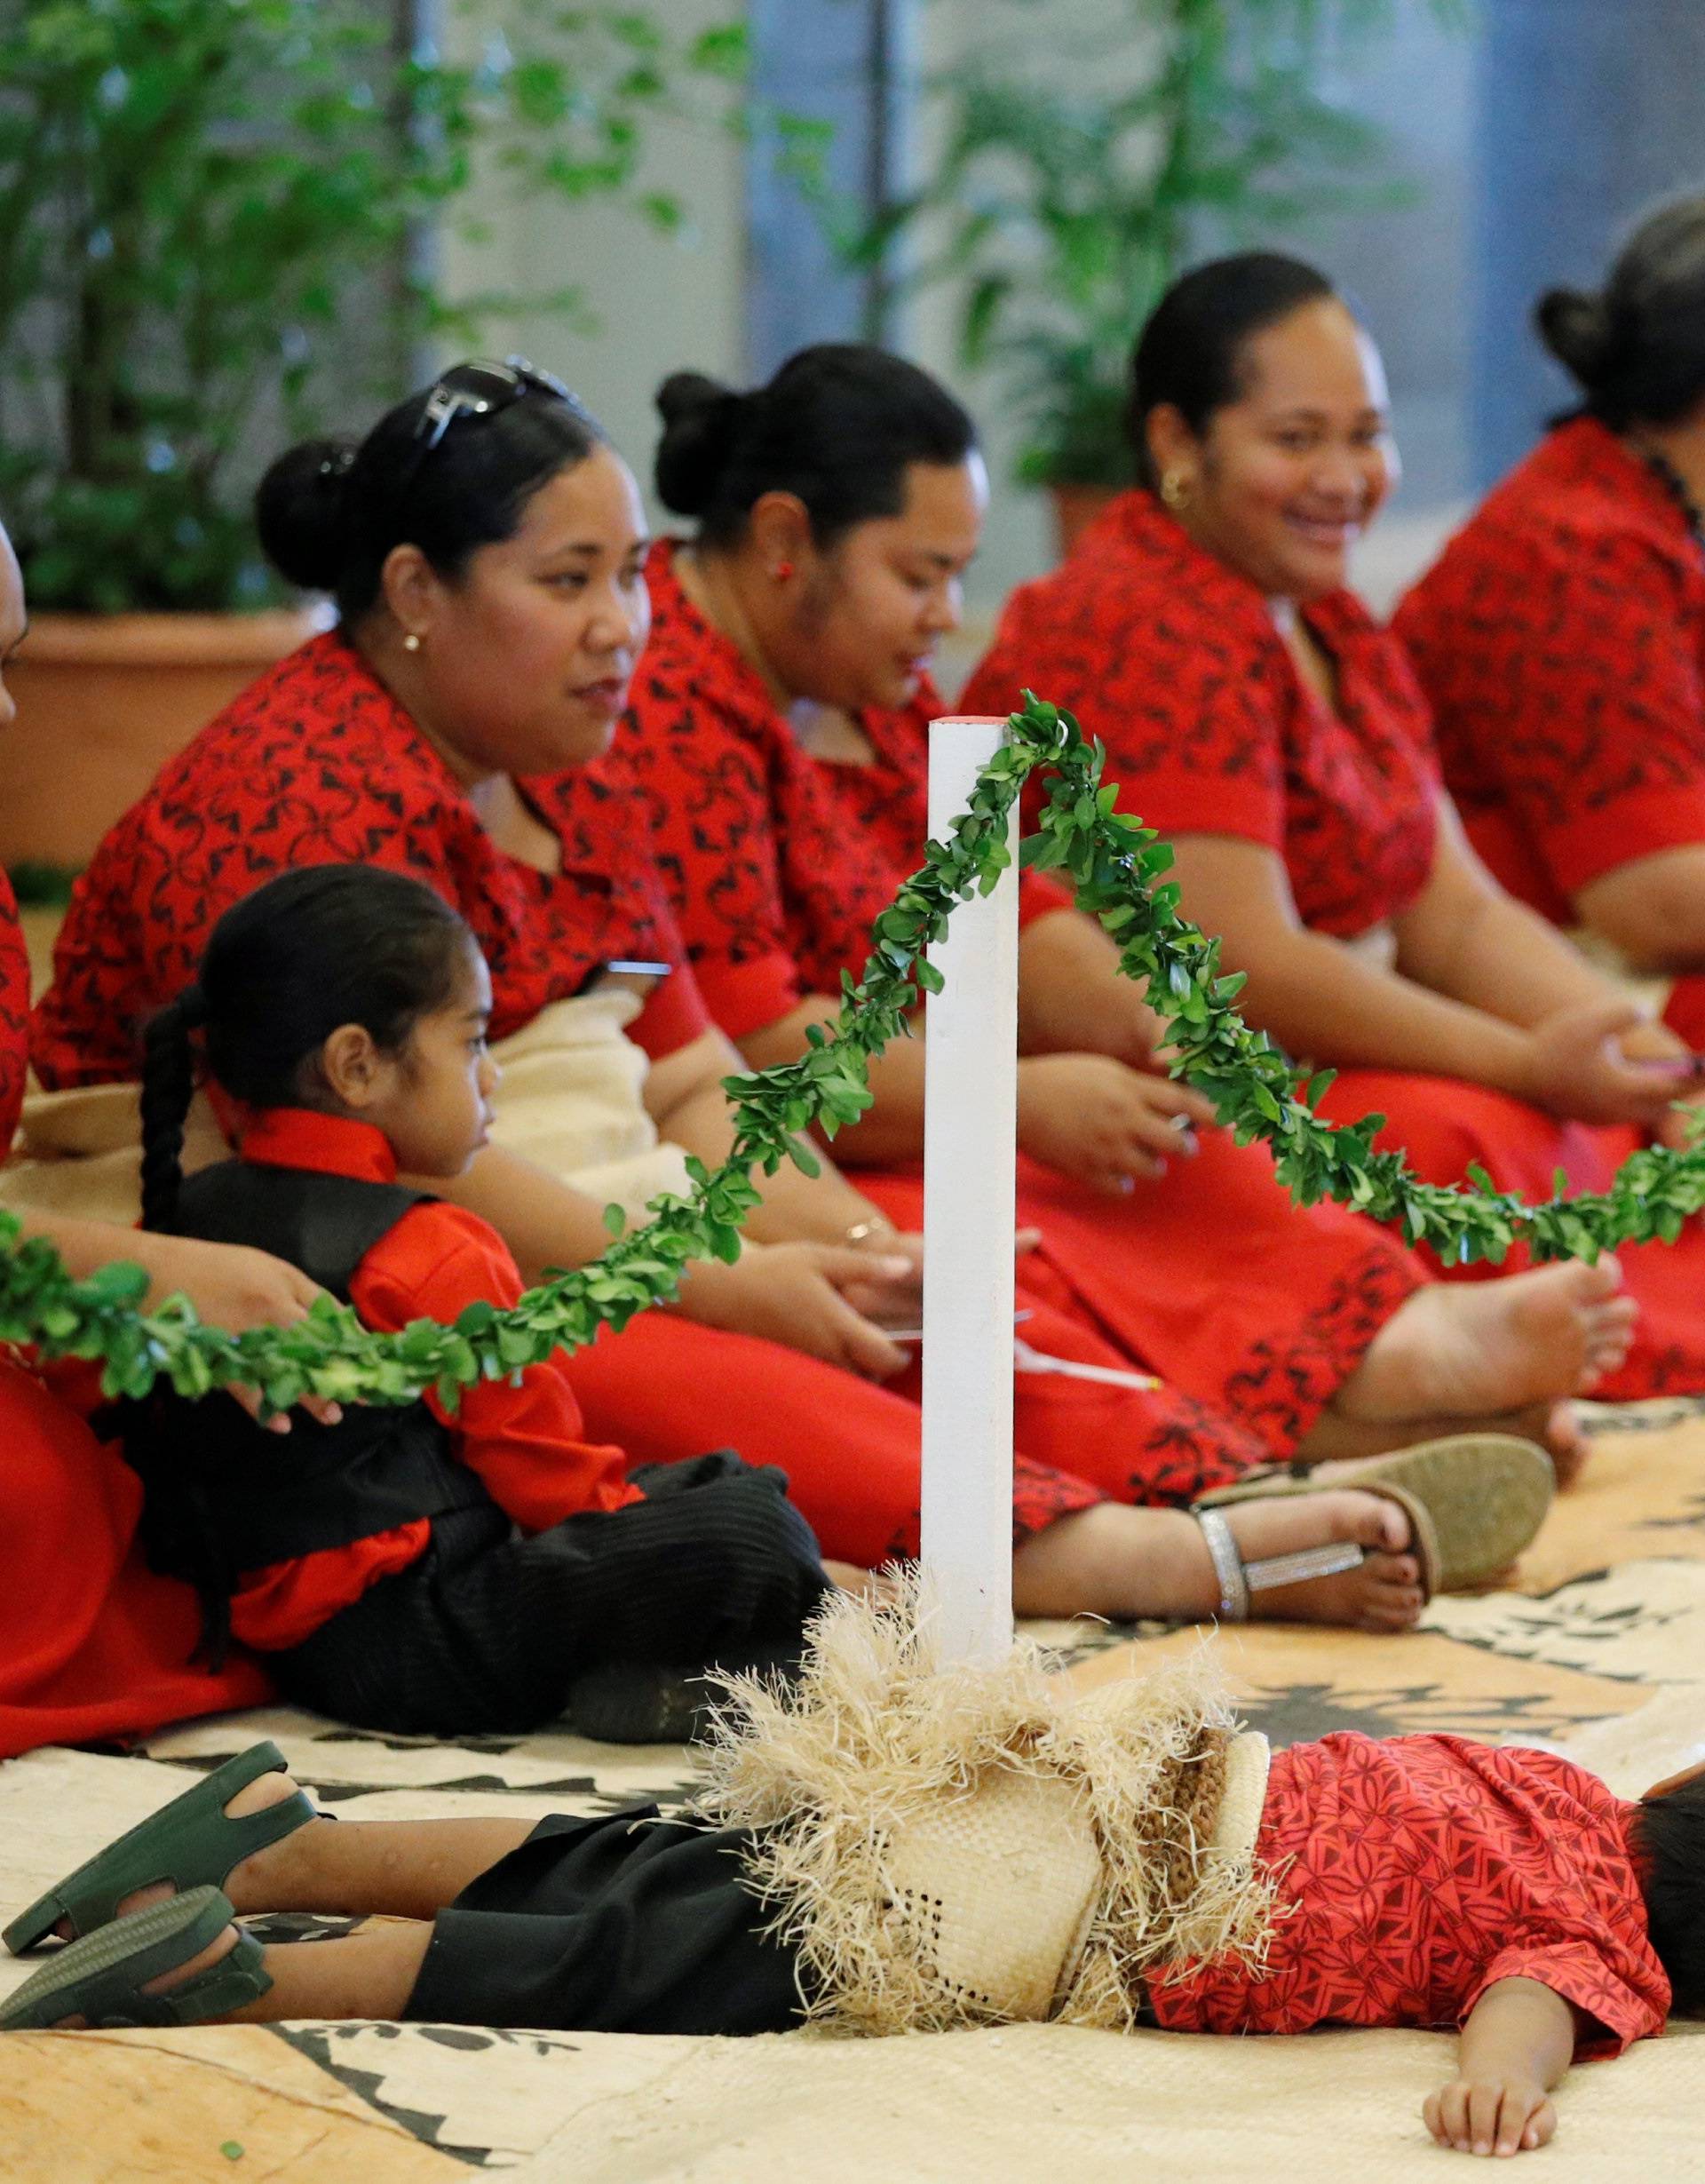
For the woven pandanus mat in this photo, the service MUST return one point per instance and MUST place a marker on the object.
(1601, 1649)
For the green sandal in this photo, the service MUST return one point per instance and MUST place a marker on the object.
(1473, 1500)
(190, 1842)
(101, 1977)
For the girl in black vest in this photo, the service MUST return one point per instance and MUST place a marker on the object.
(413, 1568)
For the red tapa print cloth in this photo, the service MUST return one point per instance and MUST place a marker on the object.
(779, 863)
(1561, 638)
(15, 1015)
(1175, 662)
(317, 763)
(1413, 1872)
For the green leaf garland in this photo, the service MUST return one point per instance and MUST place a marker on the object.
(1116, 865)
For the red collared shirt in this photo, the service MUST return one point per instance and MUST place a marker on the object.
(1175, 662)
(1413, 1872)
(1561, 638)
(316, 763)
(524, 1441)
(778, 863)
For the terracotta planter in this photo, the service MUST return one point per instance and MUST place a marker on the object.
(1075, 508)
(103, 701)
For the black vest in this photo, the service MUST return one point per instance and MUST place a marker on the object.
(223, 1495)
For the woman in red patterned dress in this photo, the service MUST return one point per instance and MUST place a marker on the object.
(93, 1643)
(487, 549)
(1560, 637)
(1257, 715)
(778, 734)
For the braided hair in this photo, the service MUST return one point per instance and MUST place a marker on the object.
(311, 949)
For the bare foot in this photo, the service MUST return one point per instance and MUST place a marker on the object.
(1555, 1426)
(1128, 1563)
(241, 1884)
(1383, 1595)
(1471, 1350)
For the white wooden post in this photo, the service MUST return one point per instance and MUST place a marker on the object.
(970, 1135)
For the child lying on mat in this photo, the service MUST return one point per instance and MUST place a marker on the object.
(890, 1846)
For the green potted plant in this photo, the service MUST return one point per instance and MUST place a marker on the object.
(1073, 185)
(211, 215)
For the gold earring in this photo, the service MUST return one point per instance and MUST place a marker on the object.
(411, 642)
(1174, 489)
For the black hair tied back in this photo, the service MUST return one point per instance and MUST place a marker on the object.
(1191, 354)
(311, 950)
(301, 513)
(1575, 328)
(701, 419)
(168, 1087)
(1636, 351)
(330, 512)
(838, 427)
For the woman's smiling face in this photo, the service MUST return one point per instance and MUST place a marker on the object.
(1285, 478)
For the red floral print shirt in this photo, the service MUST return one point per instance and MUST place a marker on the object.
(1175, 662)
(1561, 640)
(778, 863)
(1413, 1872)
(317, 763)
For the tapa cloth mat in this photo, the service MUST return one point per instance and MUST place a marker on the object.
(1600, 1650)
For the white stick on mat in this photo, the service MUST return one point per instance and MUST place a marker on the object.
(970, 1131)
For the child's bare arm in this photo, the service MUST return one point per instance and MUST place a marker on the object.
(1516, 2044)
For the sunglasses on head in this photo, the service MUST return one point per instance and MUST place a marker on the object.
(482, 389)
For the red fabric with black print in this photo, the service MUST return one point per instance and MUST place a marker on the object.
(1175, 662)
(14, 1014)
(103, 1650)
(315, 763)
(1560, 637)
(1413, 1872)
(778, 861)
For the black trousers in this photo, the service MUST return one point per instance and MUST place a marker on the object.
(623, 1923)
(487, 1631)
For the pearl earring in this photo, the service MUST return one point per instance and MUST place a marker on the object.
(411, 642)
(1175, 489)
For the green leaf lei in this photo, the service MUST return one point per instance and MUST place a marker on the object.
(1115, 864)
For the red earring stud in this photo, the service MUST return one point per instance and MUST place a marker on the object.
(783, 570)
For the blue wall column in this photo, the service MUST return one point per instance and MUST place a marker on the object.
(836, 61)
(1587, 111)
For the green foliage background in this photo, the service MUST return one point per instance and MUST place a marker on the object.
(1074, 185)
(211, 222)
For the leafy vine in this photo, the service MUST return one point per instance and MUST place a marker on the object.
(1115, 864)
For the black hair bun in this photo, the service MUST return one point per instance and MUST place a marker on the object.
(1576, 330)
(302, 515)
(699, 417)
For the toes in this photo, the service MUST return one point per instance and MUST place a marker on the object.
(1387, 1526)
(1603, 1278)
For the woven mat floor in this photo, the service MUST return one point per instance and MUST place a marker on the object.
(1602, 1650)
